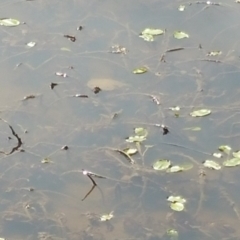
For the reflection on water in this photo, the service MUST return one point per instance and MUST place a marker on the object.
(43, 199)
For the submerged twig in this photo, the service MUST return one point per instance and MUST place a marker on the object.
(88, 193)
(90, 175)
(19, 141)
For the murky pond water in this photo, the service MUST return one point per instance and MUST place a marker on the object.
(70, 103)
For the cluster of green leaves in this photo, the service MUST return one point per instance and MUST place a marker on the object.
(177, 203)
(231, 161)
(166, 165)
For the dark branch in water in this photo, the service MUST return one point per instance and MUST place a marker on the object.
(89, 192)
(19, 141)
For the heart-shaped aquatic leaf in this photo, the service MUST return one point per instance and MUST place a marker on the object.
(177, 203)
(200, 113)
(141, 131)
(236, 154)
(181, 8)
(9, 22)
(214, 53)
(106, 217)
(180, 35)
(130, 151)
(211, 164)
(176, 199)
(179, 168)
(232, 162)
(225, 148)
(172, 232)
(152, 31)
(147, 37)
(140, 70)
(217, 155)
(177, 206)
(135, 139)
(161, 164)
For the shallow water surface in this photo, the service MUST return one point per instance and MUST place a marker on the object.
(54, 122)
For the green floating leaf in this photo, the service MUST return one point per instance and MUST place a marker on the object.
(174, 169)
(149, 33)
(172, 232)
(211, 164)
(140, 70)
(200, 113)
(152, 31)
(193, 129)
(177, 203)
(214, 53)
(9, 22)
(141, 131)
(180, 35)
(46, 160)
(225, 148)
(162, 164)
(136, 138)
(232, 162)
(31, 44)
(141, 134)
(106, 217)
(176, 199)
(130, 151)
(181, 8)
(176, 108)
(147, 37)
(217, 155)
(177, 206)
(236, 154)
(179, 168)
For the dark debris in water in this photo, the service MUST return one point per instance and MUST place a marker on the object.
(53, 85)
(97, 90)
(71, 38)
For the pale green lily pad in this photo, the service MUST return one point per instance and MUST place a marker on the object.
(193, 129)
(106, 217)
(225, 148)
(149, 33)
(174, 169)
(176, 108)
(177, 206)
(147, 37)
(140, 70)
(46, 160)
(180, 35)
(9, 22)
(177, 203)
(176, 199)
(31, 44)
(152, 31)
(181, 8)
(179, 168)
(236, 154)
(217, 155)
(136, 138)
(211, 164)
(232, 162)
(161, 164)
(130, 151)
(214, 53)
(200, 113)
(172, 232)
(141, 131)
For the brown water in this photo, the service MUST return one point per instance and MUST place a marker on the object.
(44, 200)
